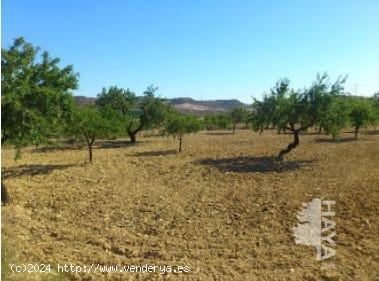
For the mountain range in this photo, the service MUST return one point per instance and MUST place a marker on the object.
(187, 105)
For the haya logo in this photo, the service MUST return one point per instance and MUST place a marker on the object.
(316, 228)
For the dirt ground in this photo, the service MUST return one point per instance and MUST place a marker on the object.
(223, 207)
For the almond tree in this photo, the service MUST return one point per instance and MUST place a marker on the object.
(90, 124)
(178, 125)
(238, 115)
(36, 97)
(135, 113)
(361, 115)
(294, 111)
(336, 117)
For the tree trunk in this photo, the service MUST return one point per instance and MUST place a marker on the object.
(90, 149)
(319, 130)
(356, 129)
(133, 134)
(291, 146)
(180, 143)
(133, 137)
(89, 145)
(90, 153)
(234, 128)
(5, 198)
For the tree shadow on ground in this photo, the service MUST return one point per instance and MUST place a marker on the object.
(117, 143)
(113, 144)
(330, 140)
(218, 133)
(32, 170)
(372, 132)
(284, 133)
(316, 133)
(82, 145)
(57, 148)
(155, 153)
(61, 145)
(264, 164)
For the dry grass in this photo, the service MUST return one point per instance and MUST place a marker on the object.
(222, 206)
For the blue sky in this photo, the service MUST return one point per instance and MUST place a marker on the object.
(203, 49)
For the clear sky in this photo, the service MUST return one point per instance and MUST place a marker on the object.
(204, 49)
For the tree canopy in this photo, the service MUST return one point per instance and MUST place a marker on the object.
(135, 113)
(361, 115)
(36, 94)
(90, 124)
(178, 125)
(336, 117)
(217, 121)
(294, 110)
(239, 115)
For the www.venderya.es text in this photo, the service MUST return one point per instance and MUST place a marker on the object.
(97, 268)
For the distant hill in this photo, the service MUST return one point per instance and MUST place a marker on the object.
(82, 100)
(187, 105)
(206, 107)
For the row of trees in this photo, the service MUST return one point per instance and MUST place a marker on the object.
(238, 115)
(37, 106)
(346, 111)
(123, 113)
(324, 105)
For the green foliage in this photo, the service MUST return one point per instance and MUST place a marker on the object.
(343, 111)
(361, 115)
(281, 108)
(296, 111)
(219, 121)
(262, 115)
(286, 108)
(375, 100)
(178, 125)
(239, 115)
(36, 94)
(375, 107)
(336, 117)
(120, 100)
(153, 110)
(89, 123)
(123, 103)
(17, 155)
(136, 114)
